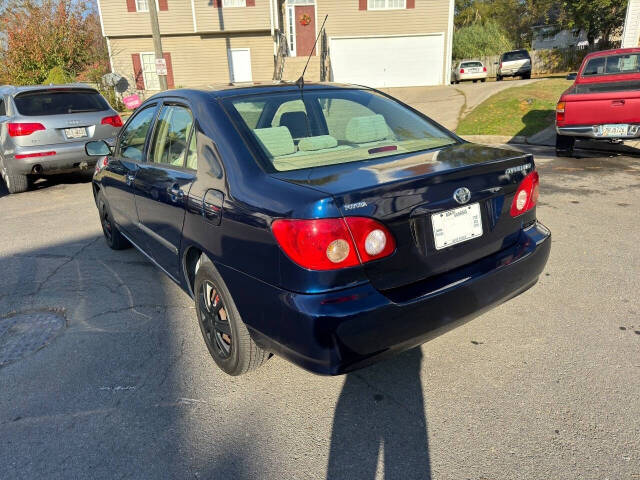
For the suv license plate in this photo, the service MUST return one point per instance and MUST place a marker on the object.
(456, 226)
(75, 132)
(614, 130)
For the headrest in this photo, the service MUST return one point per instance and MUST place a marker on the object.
(367, 129)
(309, 144)
(296, 122)
(276, 140)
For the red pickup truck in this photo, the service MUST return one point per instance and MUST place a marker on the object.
(603, 103)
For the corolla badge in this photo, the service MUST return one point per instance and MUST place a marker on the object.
(462, 195)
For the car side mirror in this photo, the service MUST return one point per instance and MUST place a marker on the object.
(98, 148)
(572, 76)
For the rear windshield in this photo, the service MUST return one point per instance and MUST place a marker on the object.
(511, 56)
(326, 127)
(471, 64)
(613, 65)
(47, 102)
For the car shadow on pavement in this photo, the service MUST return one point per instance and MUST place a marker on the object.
(380, 423)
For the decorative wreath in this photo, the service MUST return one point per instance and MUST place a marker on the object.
(305, 20)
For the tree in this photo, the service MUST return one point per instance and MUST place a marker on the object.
(598, 18)
(43, 35)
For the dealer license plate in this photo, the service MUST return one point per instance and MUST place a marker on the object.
(457, 225)
(78, 132)
(474, 70)
(615, 130)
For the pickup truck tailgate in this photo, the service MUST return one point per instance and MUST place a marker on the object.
(598, 104)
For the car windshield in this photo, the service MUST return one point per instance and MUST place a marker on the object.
(511, 56)
(613, 65)
(470, 64)
(47, 102)
(296, 130)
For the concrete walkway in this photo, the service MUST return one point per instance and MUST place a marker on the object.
(449, 103)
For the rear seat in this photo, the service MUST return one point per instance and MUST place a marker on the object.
(279, 143)
(368, 131)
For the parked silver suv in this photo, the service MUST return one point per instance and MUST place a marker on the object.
(43, 130)
(514, 64)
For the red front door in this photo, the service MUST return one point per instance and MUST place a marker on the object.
(305, 18)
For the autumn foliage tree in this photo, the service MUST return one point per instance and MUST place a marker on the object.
(41, 36)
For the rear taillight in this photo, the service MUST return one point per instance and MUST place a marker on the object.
(462, 70)
(560, 111)
(333, 243)
(101, 163)
(484, 69)
(114, 121)
(23, 129)
(527, 195)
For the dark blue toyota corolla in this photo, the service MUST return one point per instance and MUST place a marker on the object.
(329, 224)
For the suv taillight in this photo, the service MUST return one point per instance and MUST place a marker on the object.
(462, 70)
(527, 195)
(333, 243)
(23, 129)
(114, 121)
(484, 69)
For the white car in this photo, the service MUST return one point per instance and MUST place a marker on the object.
(469, 70)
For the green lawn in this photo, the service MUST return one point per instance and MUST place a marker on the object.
(516, 111)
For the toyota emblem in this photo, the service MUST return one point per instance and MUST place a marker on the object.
(462, 195)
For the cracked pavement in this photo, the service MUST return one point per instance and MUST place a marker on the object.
(544, 386)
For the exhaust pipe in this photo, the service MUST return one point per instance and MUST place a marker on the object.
(37, 169)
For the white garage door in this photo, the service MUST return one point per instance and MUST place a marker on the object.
(388, 61)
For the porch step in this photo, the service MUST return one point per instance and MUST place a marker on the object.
(293, 67)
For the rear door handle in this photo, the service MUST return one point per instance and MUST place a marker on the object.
(617, 103)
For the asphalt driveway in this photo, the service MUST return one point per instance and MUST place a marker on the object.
(543, 387)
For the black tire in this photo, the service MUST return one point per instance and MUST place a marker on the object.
(564, 145)
(112, 235)
(527, 76)
(499, 78)
(223, 330)
(475, 81)
(16, 183)
(483, 80)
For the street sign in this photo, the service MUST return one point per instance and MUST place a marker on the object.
(161, 66)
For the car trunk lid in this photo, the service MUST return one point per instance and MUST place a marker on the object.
(404, 193)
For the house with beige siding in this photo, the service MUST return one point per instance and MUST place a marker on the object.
(379, 43)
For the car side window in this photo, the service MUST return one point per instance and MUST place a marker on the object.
(3, 109)
(171, 136)
(133, 137)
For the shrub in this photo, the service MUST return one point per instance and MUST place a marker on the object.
(480, 41)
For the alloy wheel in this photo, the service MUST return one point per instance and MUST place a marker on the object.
(215, 320)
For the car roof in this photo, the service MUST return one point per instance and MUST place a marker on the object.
(15, 90)
(520, 50)
(615, 51)
(232, 90)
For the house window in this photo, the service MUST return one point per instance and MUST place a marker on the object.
(151, 80)
(386, 4)
(234, 3)
(142, 5)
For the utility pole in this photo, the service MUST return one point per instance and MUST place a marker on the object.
(157, 40)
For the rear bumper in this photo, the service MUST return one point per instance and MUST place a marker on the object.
(341, 331)
(68, 157)
(472, 76)
(593, 131)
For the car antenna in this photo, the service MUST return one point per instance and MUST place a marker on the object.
(300, 81)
